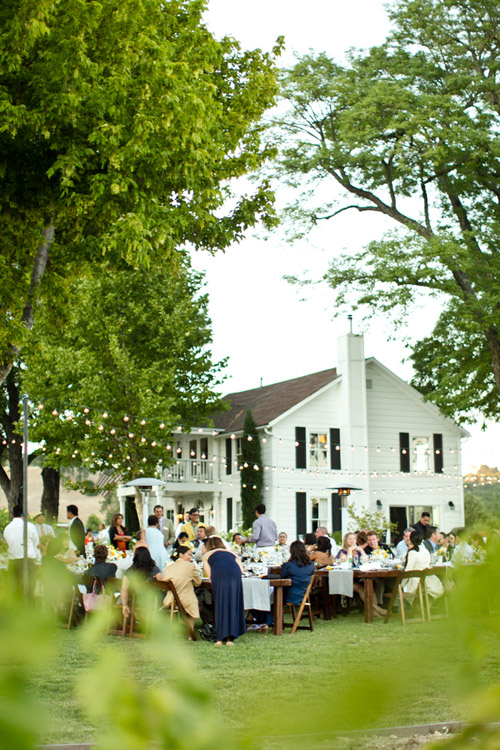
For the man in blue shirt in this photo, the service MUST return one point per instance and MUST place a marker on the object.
(264, 530)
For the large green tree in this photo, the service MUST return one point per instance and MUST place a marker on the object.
(122, 126)
(409, 131)
(251, 471)
(128, 363)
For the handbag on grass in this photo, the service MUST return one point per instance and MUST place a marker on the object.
(97, 599)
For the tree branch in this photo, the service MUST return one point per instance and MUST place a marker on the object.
(345, 208)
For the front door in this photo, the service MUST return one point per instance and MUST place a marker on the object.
(398, 516)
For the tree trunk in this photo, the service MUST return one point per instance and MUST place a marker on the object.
(38, 270)
(50, 495)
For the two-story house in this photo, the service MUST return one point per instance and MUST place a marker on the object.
(357, 424)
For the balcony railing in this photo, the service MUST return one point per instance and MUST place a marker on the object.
(190, 470)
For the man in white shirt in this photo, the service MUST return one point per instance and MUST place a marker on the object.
(14, 536)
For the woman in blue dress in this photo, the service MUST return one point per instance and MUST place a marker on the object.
(300, 569)
(224, 570)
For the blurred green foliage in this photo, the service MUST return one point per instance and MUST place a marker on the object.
(344, 676)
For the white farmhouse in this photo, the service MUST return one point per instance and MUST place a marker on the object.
(357, 424)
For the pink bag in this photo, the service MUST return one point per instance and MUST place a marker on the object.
(95, 600)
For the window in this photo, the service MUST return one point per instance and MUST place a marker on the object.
(319, 512)
(420, 453)
(318, 450)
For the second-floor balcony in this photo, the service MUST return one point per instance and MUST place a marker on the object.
(190, 470)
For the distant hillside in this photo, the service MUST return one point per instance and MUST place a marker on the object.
(482, 496)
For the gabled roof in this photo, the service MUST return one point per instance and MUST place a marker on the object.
(268, 402)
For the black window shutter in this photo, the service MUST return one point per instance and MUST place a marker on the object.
(229, 512)
(404, 451)
(300, 448)
(334, 448)
(438, 453)
(336, 512)
(229, 458)
(301, 512)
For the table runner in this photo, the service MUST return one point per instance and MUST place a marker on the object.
(340, 582)
(256, 594)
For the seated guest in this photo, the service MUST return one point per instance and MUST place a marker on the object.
(181, 541)
(419, 558)
(323, 531)
(201, 535)
(103, 535)
(310, 542)
(118, 534)
(102, 569)
(283, 541)
(299, 569)
(184, 575)
(143, 566)
(372, 543)
(155, 541)
(431, 540)
(238, 539)
(322, 555)
(350, 550)
(361, 539)
(402, 546)
(463, 550)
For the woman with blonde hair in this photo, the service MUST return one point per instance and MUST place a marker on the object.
(351, 550)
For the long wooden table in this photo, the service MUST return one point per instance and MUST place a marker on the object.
(368, 576)
(278, 584)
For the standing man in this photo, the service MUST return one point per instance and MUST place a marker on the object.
(323, 531)
(14, 536)
(191, 527)
(264, 531)
(421, 526)
(165, 525)
(76, 530)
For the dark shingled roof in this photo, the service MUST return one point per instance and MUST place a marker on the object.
(270, 401)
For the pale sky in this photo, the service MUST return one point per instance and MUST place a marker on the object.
(269, 329)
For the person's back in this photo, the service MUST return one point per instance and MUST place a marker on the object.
(299, 569)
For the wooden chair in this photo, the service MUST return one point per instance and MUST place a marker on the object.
(417, 597)
(176, 605)
(428, 598)
(305, 604)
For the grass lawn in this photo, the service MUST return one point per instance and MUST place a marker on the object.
(344, 675)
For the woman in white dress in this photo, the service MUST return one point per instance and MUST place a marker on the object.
(419, 558)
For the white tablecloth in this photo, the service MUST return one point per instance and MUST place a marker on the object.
(256, 594)
(340, 582)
